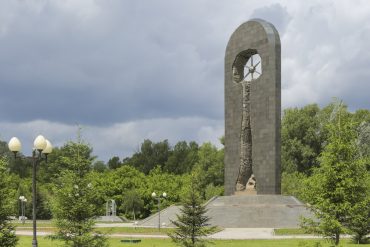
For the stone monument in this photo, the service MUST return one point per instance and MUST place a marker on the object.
(110, 213)
(253, 109)
(252, 137)
(111, 208)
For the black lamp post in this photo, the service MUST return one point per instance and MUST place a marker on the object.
(158, 198)
(41, 146)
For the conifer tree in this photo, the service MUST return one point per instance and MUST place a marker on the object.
(74, 205)
(192, 224)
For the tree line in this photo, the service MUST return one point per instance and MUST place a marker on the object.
(316, 143)
(155, 167)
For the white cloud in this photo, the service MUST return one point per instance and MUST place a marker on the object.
(321, 50)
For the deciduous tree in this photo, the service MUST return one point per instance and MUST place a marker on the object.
(302, 139)
(339, 184)
(132, 202)
(182, 158)
(210, 167)
(7, 195)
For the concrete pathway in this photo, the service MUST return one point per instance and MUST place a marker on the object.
(29, 233)
(244, 233)
(114, 225)
(254, 233)
(227, 233)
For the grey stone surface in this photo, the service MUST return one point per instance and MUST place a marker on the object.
(167, 215)
(254, 37)
(252, 211)
(109, 219)
(257, 211)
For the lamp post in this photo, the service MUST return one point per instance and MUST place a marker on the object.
(158, 198)
(41, 146)
(23, 207)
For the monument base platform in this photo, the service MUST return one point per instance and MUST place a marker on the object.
(109, 219)
(246, 192)
(257, 211)
(244, 211)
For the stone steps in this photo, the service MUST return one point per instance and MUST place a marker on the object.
(244, 211)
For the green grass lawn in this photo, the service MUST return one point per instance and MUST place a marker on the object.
(111, 230)
(290, 231)
(132, 230)
(28, 223)
(146, 242)
(138, 230)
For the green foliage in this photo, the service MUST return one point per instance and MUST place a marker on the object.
(361, 115)
(178, 160)
(43, 201)
(113, 184)
(114, 163)
(19, 165)
(7, 195)
(212, 190)
(74, 210)
(291, 184)
(159, 182)
(339, 184)
(132, 202)
(192, 224)
(210, 167)
(363, 142)
(150, 155)
(74, 156)
(159, 167)
(302, 138)
(74, 205)
(359, 221)
(182, 158)
(99, 166)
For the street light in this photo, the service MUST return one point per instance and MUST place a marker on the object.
(23, 207)
(158, 198)
(42, 146)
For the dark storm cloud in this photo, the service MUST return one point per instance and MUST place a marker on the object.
(119, 62)
(130, 70)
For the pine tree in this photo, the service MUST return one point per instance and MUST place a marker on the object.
(192, 224)
(74, 205)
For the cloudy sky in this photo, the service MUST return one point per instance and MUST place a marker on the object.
(132, 70)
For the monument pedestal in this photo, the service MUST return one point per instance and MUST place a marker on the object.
(109, 219)
(246, 192)
(244, 211)
(256, 211)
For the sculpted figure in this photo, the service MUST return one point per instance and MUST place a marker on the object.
(245, 167)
